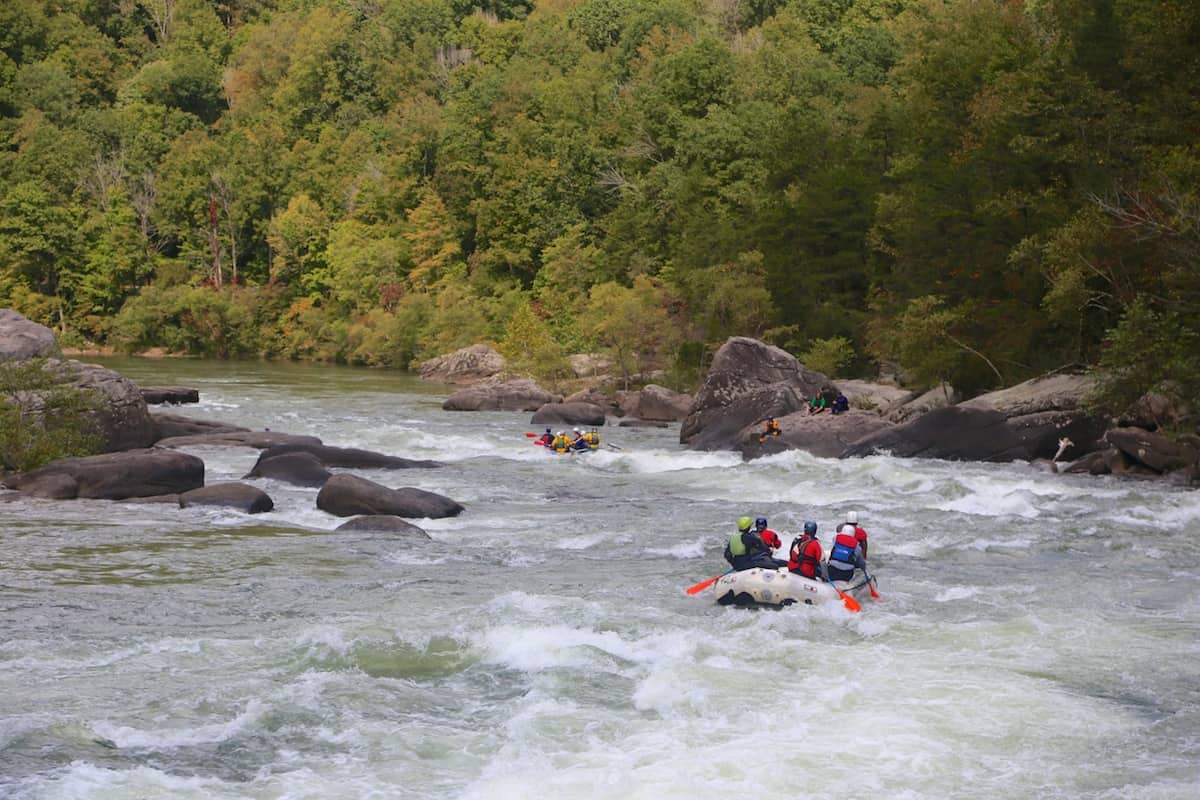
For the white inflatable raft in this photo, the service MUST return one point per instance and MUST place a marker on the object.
(778, 587)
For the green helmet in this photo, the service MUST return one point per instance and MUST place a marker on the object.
(744, 524)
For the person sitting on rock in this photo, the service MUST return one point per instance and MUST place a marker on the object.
(747, 551)
(546, 439)
(770, 428)
(840, 405)
(817, 404)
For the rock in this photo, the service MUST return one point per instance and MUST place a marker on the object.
(953, 433)
(241, 496)
(1059, 392)
(660, 403)
(876, 397)
(347, 495)
(747, 382)
(1094, 463)
(1163, 406)
(158, 395)
(916, 404)
(22, 339)
(297, 468)
(120, 414)
(259, 440)
(568, 414)
(383, 523)
(1153, 450)
(520, 394)
(589, 365)
(466, 366)
(596, 397)
(824, 435)
(112, 476)
(642, 423)
(171, 426)
(349, 457)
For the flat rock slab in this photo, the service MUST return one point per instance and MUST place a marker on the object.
(158, 395)
(260, 440)
(240, 496)
(349, 457)
(112, 476)
(174, 425)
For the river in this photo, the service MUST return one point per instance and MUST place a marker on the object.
(1036, 636)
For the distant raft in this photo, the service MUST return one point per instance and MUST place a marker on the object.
(779, 587)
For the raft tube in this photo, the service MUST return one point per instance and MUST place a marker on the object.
(778, 587)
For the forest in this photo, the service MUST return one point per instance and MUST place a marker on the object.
(972, 191)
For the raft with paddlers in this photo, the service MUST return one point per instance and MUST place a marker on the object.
(779, 587)
(562, 443)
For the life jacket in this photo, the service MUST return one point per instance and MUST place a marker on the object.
(746, 543)
(593, 439)
(844, 555)
(802, 559)
(561, 443)
(736, 546)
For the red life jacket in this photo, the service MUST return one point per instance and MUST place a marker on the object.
(805, 557)
(861, 536)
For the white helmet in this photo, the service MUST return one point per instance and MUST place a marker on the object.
(576, 430)
(852, 517)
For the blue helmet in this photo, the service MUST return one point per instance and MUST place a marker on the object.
(810, 528)
(547, 429)
(760, 524)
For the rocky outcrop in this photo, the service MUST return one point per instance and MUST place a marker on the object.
(918, 403)
(175, 395)
(349, 457)
(874, 397)
(466, 366)
(1155, 451)
(112, 476)
(596, 397)
(297, 468)
(384, 523)
(347, 495)
(568, 414)
(239, 496)
(519, 394)
(825, 435)
(22, 339)
(1042, 411)
(748, 382)
(953, 433)
(589, 365)
(120, 414)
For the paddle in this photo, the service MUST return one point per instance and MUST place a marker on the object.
(849, 602)
(530, 435)
(871, 585)
(614, 447)
(702, 585)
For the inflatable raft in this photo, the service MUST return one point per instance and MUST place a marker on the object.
(778, 587)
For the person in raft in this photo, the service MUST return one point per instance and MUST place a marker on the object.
(546, 439)
(561, 443)
(746, 550)
(770, 538)
(579, 442)
(593, 439)
(860, 535)
(845, 556)
(804, 557)
(770, 428)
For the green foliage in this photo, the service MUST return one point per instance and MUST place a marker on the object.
(190, 319)
(633, 325)
(1148, 350)
(42, 418)
(829, 356)
(529, 348)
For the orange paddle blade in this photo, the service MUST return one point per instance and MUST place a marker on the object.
(531, 435)
(702, 585)
(850, 603)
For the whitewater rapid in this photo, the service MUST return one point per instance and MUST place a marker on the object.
(1036, 636)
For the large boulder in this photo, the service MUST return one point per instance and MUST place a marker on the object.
(1043, 410)
(825, 435)
(876, 397)
(589, 365)
(568, 414)
(748, 381)
(349, 457)
(915, 404)
(654, 402)
(297, 468)
(346, 495)
(518, 394)
(120, 415)
(466, 366)
(112, 476)
(240, 496)
(22, 339)
(953, 433)
(384, 523)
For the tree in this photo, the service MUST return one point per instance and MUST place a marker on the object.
(41, 417)
(633, 325)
